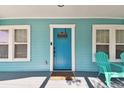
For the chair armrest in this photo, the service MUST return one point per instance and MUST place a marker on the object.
(118, 65)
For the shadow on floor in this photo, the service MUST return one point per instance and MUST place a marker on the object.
(18, 75)
(90, 77)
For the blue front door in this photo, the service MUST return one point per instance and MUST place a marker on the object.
(62, 48)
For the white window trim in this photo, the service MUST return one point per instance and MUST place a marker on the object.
(72, 26)
(112, 40)
(11, 43)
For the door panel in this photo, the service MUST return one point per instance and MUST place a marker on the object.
(62, 48)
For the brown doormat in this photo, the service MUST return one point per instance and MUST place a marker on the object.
(62, 75)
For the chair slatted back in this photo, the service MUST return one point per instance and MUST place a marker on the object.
(102, 59)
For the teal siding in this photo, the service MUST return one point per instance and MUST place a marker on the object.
(40, 43)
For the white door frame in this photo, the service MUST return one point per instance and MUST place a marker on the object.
(72, 26)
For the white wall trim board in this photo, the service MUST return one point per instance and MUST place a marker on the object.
(61, 18)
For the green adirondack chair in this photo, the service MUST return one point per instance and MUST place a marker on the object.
(122, 57)
(104, 68)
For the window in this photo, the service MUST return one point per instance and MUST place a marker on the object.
(119, 42)
(15, 43)
(20, 43)
(110, 39)
(102, 40)
(4, 43)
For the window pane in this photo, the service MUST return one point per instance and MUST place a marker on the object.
(119, 50)
(21, 35)
(119, 36)
(3, 51)
(102, 36)
(21, 51)
(104, 48)
(3, 36)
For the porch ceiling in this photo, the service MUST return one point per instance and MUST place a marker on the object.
(12, 11)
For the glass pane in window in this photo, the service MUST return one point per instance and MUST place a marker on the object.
(3, 36)
(104, 48)
(21, 35)
(21, 51)
(119, 50)
(3, 51)
(102, 36)
(119, 36)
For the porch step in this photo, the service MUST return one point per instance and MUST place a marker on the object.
(62, 76)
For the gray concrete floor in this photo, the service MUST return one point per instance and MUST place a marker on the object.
(43, 80)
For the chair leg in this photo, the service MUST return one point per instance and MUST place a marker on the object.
(108, 79)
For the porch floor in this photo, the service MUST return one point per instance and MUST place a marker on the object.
(45, 80)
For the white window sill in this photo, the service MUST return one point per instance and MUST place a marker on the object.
(113, 61)
(15, 60)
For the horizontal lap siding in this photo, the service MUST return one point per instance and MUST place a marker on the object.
(40, 43)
